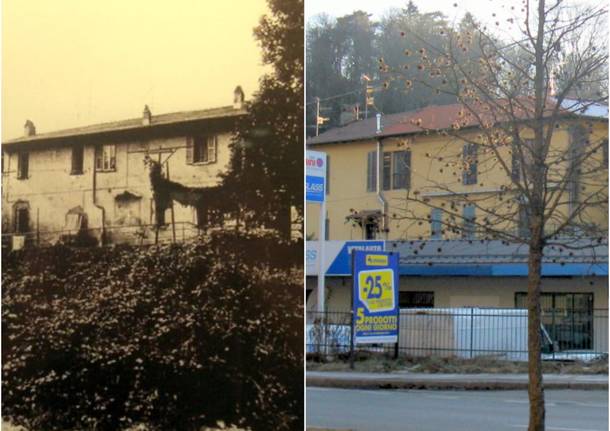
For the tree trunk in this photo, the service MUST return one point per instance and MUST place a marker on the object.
(535, 388)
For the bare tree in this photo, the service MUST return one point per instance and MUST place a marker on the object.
(523, 150)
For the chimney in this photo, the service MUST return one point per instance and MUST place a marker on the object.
(29, 129)
(379, 127)
(238, 98)
(146, 116)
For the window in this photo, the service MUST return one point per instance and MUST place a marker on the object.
(521, 158)
(387, 171)
(469, 156)
(105, 158)
(401, 166)
(23, 165)
(22, 217)
(396, 170)
(208, 217)
(468, 229)
(371, 172)
(436, 226)
(201, 149)
(370, 230)
(524, 222)
(416, 299)
(77, 160)
(567, 317)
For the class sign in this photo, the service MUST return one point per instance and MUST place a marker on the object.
(375, 297)
(315, 176)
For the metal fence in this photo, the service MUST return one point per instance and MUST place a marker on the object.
(499, 333)
(143, 234)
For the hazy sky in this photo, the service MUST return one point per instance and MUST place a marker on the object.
(69, 63)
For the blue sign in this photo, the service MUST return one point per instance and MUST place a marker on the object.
(314, 188)
(315, 176)
(375, 297)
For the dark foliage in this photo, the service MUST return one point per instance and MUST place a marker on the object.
(173, 336)
(265, 176)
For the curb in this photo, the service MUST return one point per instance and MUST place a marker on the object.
(392, 383)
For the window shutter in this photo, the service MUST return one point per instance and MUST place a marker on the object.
(407, 161)
(515, 165)
(436, 227)
(189, 150)
(468, 215)
(112, 156)
(212, 148)
(369, 171)
(327, 185)
(98, 159)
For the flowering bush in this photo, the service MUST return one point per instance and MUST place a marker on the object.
(175, 336)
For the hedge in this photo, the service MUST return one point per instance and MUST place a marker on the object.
(175, 337)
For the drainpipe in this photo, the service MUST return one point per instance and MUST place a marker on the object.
(380, 196)
(101, 208)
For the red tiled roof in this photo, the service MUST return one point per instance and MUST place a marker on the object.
(433, 117)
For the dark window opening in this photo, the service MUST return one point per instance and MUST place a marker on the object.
(77, 160)
(201, 149)
(416, 299)
(370, 230)
(22, 219)
(23, 165)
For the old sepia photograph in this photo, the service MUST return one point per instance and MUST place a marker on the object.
(152, 215)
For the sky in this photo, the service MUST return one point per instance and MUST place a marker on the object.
(71, 63)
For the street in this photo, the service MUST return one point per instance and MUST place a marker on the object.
(428, 410)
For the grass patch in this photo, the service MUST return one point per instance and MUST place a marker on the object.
(452, 365)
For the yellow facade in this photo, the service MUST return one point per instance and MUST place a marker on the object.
(436, 175)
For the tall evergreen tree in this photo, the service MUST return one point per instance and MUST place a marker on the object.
(265, 176)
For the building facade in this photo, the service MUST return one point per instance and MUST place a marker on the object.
(95, 179)
(373, 165)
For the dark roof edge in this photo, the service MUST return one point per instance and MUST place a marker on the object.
(123, 126)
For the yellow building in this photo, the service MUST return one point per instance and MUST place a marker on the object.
(386, 184)
(95, 178)
(394, 183)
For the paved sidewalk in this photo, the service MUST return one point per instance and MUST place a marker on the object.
(407, 380)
